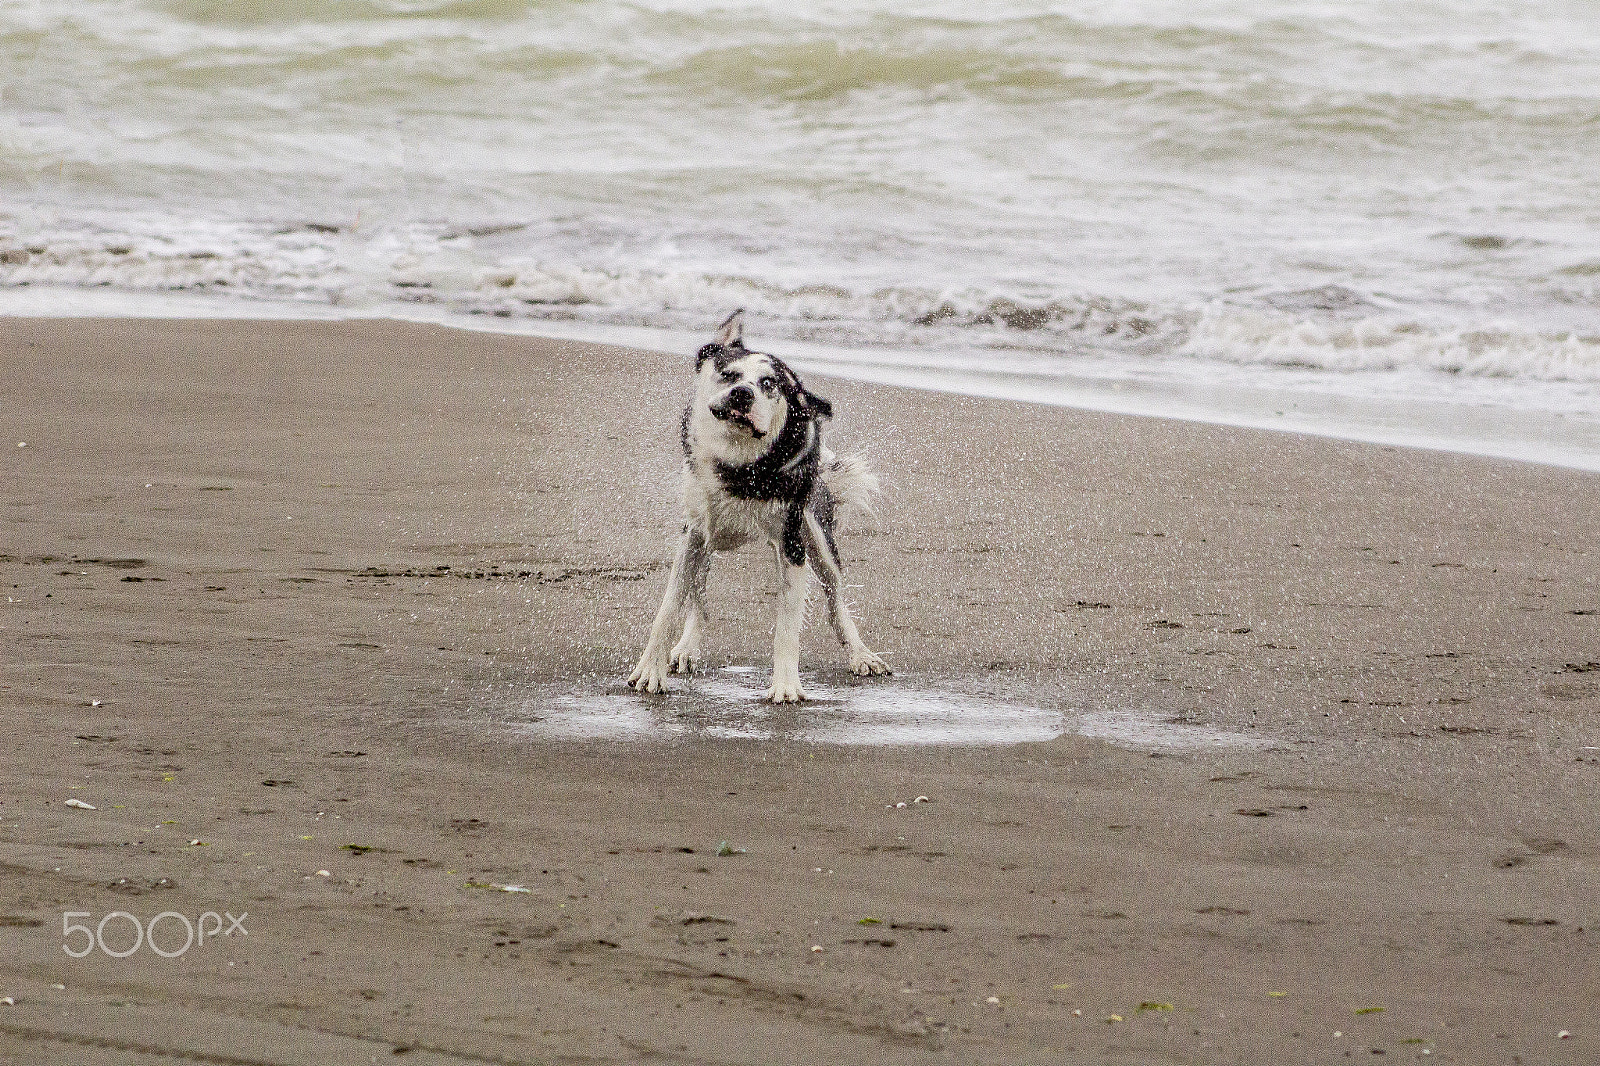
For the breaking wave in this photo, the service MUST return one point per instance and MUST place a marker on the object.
(1331, 328)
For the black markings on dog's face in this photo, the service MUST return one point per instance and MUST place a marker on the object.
(719, 354)
(798, 395)
(734, 365)
(746, 390)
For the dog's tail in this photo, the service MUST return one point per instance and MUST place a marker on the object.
(851, 481)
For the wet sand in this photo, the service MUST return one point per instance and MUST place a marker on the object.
(307, 611)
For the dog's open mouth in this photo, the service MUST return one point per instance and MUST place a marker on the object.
(737, 418)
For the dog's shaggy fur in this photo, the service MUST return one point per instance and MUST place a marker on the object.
(755, 467)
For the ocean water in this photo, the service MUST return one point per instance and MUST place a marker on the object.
(1344, 198)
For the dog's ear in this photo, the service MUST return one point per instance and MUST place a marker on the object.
(816, 404)
(798, 395)
(731, 333)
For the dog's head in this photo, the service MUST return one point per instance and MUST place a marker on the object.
(751, 395)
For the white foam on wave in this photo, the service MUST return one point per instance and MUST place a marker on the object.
(482, 272)
(495, 272)
(434, 266)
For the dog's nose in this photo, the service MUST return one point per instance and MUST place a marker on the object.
(740, 398)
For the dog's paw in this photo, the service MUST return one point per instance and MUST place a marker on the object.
(787, 691)
(865, 663)
(649, 676)
(684, 661)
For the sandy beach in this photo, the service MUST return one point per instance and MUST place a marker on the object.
(312, 615)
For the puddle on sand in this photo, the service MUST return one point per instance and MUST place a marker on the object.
(1128, 729)
(727, 704)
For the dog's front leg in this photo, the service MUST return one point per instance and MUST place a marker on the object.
(793, 585)
(685, 657)
(651, 673)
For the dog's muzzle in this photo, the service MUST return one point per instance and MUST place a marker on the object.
(735, 407)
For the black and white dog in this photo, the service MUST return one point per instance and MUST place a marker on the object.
(754, 467)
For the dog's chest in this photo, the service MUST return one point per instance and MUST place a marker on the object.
(725, 520)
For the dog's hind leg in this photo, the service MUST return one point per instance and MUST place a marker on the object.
(794, 582)
(820, 550)
(685, 657)
(651, 673)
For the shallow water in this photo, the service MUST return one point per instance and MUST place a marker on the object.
(1147, 732)
(1538, 422)
(879, 712)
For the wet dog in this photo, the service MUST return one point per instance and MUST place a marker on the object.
(755, 468)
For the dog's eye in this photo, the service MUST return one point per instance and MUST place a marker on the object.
(730, 376)
(768, 385)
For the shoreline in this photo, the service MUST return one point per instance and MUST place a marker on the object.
(1333, 405)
